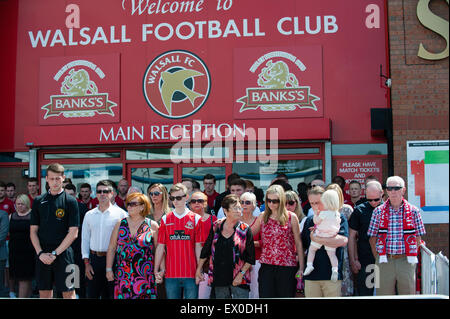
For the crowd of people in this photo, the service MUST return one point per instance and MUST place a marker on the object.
(184, 242)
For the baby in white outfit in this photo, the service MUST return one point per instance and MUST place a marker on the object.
(327, 224)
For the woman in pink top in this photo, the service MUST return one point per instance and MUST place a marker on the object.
(282, 257)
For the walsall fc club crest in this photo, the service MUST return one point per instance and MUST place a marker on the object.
(176, 84)
(79, 94)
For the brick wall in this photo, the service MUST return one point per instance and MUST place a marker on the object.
(420, 91)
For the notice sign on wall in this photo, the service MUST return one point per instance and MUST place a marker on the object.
(359, 170)
(428, 179)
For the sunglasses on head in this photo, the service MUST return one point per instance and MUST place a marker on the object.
(172, 198)
(154, 193)
(134, 204)
(291, 202)
(246, 202)
(103, 191)
(393, 188)
(200, 201)
(275, 201)
(373, 199)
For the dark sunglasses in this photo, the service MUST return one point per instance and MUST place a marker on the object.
(394, 188)
(275, 201)
(103, 191)
(172, 198)
(291, 202)
(154, 193)
(193, 201)
(374, 200)
(246, 202)
(134, 204)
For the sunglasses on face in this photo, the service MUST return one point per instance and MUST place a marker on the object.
(291, 202)
(134, 204)
(246, 202)
(393, 188)
(172, 198)
(103, 191)
(200, 201)
(154, 193)
(275, 201)
(374, 200)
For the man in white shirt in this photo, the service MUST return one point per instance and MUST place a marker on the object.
(97, 227)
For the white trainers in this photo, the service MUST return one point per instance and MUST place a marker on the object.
(12, 295)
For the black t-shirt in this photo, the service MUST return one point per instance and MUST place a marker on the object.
(360, 221)
(322, 264)
(54, 214)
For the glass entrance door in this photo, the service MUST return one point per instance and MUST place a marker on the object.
(197, 172)
(143, 175)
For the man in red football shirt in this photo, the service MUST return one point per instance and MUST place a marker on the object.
(180, 236)
(5, 203)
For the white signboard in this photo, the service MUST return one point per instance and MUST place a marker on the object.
(428, 179)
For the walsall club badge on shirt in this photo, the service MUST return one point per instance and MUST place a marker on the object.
(60, 213)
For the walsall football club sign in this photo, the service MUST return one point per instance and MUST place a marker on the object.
(79, 90)
(286, 82)
(176, 84)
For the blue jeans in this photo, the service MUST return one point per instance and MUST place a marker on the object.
(174, 285)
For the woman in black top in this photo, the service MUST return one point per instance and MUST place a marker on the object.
(231, 252)
(21, 251)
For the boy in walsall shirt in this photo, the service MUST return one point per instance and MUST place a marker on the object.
(180, 236)
(54, 226)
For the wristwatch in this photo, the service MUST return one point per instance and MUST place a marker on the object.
(54, 253)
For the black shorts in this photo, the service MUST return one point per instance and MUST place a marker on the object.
(57, 274)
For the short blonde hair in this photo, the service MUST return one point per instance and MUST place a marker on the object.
(178, 187)
(24, 199)
(338, 189)
(251, 197)
(330, 200)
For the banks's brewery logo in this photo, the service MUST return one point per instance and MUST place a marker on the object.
(79, 93)
(176, 84)
(278, 89)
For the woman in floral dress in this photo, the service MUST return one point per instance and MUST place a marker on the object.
(133, 243)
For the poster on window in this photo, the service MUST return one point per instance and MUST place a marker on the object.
(359, 169)
(428, 179)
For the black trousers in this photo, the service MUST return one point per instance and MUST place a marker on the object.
(277, 281)
(361, 286)
(99, 287)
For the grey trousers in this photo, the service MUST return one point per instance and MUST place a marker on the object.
(231, 292)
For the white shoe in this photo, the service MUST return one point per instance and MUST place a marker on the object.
(12, 295)
(334, 276)
(308, 270)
